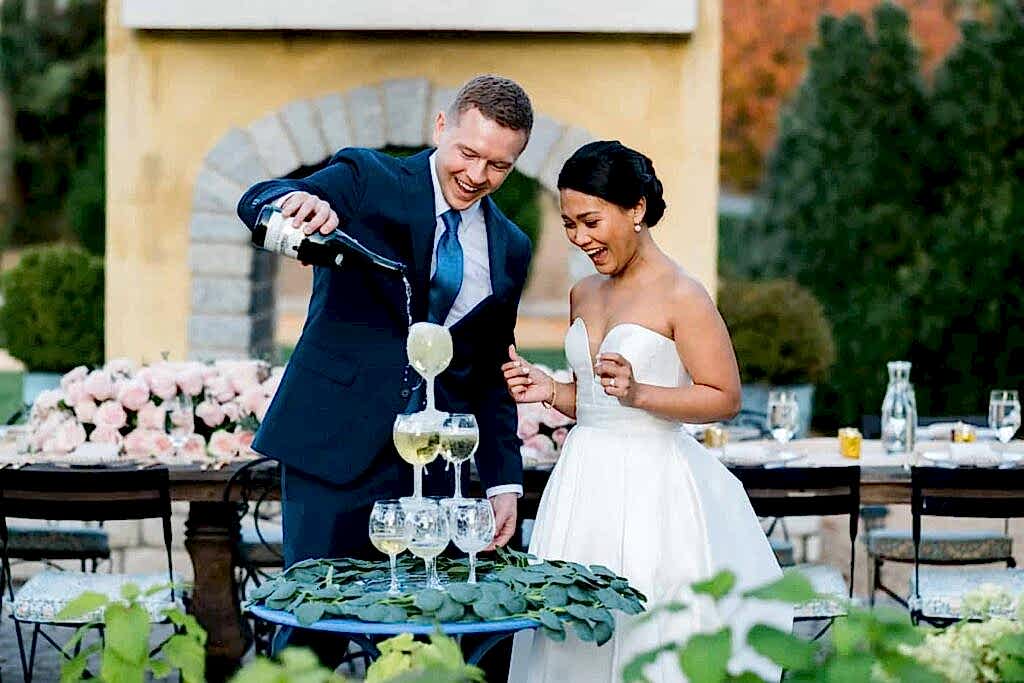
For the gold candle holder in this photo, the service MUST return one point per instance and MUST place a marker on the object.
(715, 436)
(964, 433)
(849, 442)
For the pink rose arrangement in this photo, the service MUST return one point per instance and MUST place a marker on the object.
(124, 405)
(543, 430)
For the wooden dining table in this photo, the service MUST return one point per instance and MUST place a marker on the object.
(212, 529)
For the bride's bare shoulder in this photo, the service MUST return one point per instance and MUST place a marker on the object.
(688, 293)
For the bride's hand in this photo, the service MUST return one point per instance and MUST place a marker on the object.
(616, 376)
(526, 383)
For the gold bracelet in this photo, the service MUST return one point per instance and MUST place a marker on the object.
(554, 395)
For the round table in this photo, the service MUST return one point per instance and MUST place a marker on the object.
(364, 633)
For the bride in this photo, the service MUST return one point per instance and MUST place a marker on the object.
(633, 490)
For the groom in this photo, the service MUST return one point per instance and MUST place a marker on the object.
(330, 421)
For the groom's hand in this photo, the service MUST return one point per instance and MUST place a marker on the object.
(309, 212)
(504, 505)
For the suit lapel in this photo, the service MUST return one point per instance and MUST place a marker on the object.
(419, 201)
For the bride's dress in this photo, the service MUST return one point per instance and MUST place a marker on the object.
(638, 494)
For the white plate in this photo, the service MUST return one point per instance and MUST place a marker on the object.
(769, 460)
(945, 458)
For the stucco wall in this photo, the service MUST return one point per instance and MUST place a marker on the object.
(173, 94)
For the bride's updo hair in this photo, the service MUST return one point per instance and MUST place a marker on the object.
(615, 173)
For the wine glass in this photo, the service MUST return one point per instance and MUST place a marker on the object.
(783, 415)
(429, 348)
(1004, 414)
(428, 534)
(417, 440)
(472, 522)
(459, 438)
(181, 419)
(390, 534)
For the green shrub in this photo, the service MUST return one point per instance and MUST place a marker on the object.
(52, 315)
(779, 331)
(85, 204)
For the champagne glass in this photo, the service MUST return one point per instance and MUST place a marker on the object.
(428, 535)
(472, 522)
(417, 440)
(783, 415)
(181, 419)
(459, 438)
(390, 534)
(1004, 414)
(429, 348)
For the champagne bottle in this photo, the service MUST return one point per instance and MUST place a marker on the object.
(273, 232)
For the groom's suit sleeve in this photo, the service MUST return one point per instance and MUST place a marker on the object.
(342, 184)
(499, 461)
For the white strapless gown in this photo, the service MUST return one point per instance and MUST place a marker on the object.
(639, 495)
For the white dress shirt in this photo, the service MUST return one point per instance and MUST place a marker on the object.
(476, 269)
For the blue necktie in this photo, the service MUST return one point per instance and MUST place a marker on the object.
(447, 280)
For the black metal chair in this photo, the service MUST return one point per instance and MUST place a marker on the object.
(254, 488)
(810, 491)
(936, 593)
(969, 547)
(48, 494)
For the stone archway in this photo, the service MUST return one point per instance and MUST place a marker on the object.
(232, 305)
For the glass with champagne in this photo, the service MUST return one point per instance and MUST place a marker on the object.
(459, 437)
(472, 526)
(390, 534)
(417, 440)
(429, 534)
(429, 348)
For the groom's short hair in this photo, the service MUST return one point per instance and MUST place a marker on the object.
(499, 99)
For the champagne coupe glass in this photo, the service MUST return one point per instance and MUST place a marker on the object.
(429, 535)
(390, 534)
(429, 348)
(783, 416)
(1004, 414)
(181, 419)
(460, 436)
(472, 522)
(417, 440)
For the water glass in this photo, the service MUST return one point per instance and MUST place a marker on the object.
(390, 534)
(1004, 413)
(429, 534)
(783, 415)
(472, 526)
(180, 419)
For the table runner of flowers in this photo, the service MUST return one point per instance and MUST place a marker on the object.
(122, 404)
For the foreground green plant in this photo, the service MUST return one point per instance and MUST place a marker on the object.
(560, 595)
(865, 647)
(124, 655)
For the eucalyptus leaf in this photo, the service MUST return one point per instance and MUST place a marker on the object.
(429, 600)
(488, 609)
(578, 594)
(310, 613)
(556, 635)
(262, 591)
(284, 590)
(602, 632)
(450, 611)
(583, 630)
(515, 604)
(581, 612)
(550, 620)
(465, 593)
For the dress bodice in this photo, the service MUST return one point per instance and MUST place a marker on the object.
(655, 361)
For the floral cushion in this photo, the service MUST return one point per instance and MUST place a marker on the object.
(946, 546)
(47, 593)
(942, 590)
(57, 542)
(830, 584)
(783, 550)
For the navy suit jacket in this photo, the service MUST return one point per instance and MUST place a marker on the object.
(348, 377)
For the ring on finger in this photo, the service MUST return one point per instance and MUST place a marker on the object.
(611, 382)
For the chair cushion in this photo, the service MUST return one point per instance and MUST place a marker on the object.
(943, 588)
(268, 552)
(44, 595)
(783, 550)
(936, 546)
(827, 582)
(57, 543)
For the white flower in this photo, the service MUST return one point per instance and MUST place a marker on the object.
(223, 444)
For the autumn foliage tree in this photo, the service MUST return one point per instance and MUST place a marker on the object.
(764, 51)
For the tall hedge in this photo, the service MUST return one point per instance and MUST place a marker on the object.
(902, 208)
(52, 317)
(842, 186)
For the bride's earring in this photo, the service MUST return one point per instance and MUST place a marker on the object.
(637, 227)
